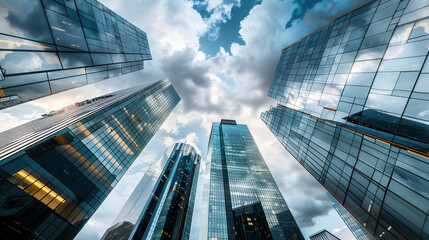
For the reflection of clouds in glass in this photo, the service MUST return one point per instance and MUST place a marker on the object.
(401, 34)
(24, 18)
(20, 62)
(365, 66)
(420, 29)
(391, 104)
(417, 108)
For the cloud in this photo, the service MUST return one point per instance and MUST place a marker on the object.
(317, 13)
(191, 139)
(343, 233)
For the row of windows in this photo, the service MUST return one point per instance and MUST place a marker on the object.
(360, 171)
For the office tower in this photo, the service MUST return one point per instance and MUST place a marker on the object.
(241, 199)
(352, 108)
(57, 170)
(50, 46)
(162, 204)
(323, 235)
(359, 231)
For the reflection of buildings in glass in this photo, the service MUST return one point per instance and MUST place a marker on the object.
(241, 199)
(250, 222)
(120, 230)
(323, 235)
(48, 47)
(353, 110)
(162, 204)
(359, 231)
(56, 171)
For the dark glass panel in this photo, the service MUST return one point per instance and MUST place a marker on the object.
(72, 60)
(67, 32)
(24, 18)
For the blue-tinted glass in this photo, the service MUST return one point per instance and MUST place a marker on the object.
(66, 163)
(63, 36)
(373, 112)
(26, 62)
(25, 19)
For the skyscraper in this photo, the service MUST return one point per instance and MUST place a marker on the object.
(50, 46)
(57, 170)
(323, 235)
(352, 108)
(241, 199)
(359, 231)
(162, 204)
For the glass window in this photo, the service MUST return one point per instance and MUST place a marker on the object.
(22, 62)
(385, 81)
(65, 73)
(421, 28)
(361, 79)
(67, 32)
(406, 81)
(422, 84)
(418, 108)
(378, 27)
(24, 18)
(386, 103)
(7, 42)
(412, 49)
(365, 66)
(98, 76)
(72, 60)
(101, 59)
(401, 34)
(355, 91)
(402, 64)
(12, 81)
(28, 92)
(117, 58)
(371, 53)
(67, 83)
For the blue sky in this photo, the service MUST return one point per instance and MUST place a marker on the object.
(220, 57)
(225, 32)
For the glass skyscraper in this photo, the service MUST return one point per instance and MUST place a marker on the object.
(241, 199)
(162, 204)
(323, 235)
(359, 231)
(353, 104)
(57, 170)
(49, 46)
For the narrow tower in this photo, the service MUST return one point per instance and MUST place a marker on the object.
(162, 204)
(241, 199)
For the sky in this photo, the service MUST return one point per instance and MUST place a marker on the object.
(221, 56)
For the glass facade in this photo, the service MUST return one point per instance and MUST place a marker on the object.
(323, 235)
(241, 199)
(57, 170)
(354, 226)
(353, 110)
(48, 46)
(162, 204)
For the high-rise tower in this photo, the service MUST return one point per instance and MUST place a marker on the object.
(57, 170)
(359, 231)
(241, 199)
(353, 109)
(51, 46)
(162, 204)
